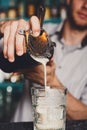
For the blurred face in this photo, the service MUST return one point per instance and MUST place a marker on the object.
(77, 13)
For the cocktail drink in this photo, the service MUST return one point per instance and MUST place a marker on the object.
(49, 108)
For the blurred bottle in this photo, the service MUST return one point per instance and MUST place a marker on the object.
(4, 76)
(63, 14)
(8, 101)
(38, 3)
(1, 76)
(15, 77)
(47, 4)
(3, 14)
(1, 104)
(1, 98)
(12, 10)
(8, 94)
(54, 8)
(21, 8)
(30, 8)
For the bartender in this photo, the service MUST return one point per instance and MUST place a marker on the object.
(69, 57)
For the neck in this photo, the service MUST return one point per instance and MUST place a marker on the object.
(71, 35)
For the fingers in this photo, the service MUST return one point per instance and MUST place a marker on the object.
(10, 41)
(51, 63)
(9, 30)
(34, 72)
(20, 39)
(6, 31)
(13, 41)
(35, 25)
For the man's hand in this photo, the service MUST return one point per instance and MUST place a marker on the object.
(13, 41)
(36, 74)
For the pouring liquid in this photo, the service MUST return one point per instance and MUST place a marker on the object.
(43, 61)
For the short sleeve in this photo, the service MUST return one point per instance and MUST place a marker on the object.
(84, 95)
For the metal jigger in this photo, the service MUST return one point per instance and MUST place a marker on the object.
(40, 46)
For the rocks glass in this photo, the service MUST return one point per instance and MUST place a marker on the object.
(49, 108)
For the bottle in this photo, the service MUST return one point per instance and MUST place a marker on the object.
(63, 13)
(3, 14)
(54, 8)
(30, 8)
(21, 8)
(12, 10)
(16, 77)
(47, 4)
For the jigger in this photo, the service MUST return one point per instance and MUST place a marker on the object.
(40, 46)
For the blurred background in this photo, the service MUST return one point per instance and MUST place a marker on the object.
(11, 9)
(12, 84)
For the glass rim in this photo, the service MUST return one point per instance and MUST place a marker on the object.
(64, 90)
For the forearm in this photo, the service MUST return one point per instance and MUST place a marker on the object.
(75, 109)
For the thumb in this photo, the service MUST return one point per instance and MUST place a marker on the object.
(35, 26)
(51, 62)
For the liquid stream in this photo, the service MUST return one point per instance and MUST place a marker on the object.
(43, 61)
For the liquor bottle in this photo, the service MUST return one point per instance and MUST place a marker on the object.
(1, 76)
(63, 14)
(16, 77)
(47, 4)
(54, 8)
(2, 95)
(3, 14)
(12, 10)
(30, 8)
(8, 102)
(21, 8)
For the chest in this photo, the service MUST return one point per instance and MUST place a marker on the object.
(71, 68)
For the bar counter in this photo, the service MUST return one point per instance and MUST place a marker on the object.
(70, 125)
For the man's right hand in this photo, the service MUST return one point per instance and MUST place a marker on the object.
(13, 41)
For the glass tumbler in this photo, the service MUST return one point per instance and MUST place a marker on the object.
(49, 108)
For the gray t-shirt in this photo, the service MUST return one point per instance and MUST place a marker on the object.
(71, 64)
